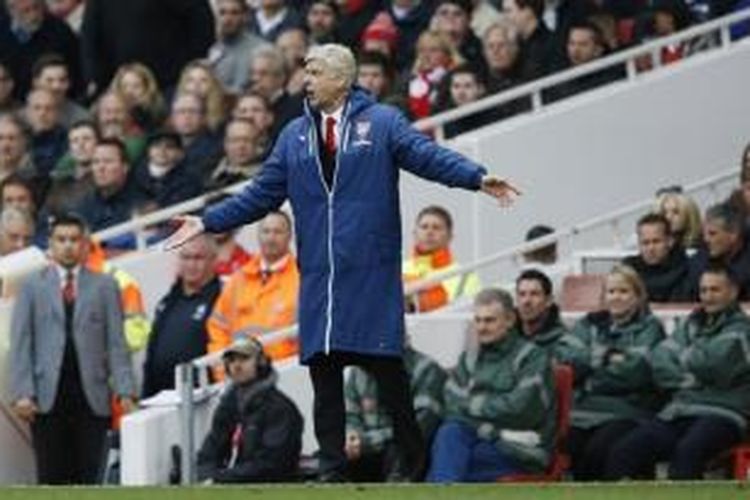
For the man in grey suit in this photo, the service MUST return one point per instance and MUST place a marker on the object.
(67, 345)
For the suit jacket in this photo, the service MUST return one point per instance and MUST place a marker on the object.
(38, 340)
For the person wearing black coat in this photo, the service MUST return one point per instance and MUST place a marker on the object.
(256, 431)
(164, 35)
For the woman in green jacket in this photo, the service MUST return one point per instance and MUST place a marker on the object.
(609, 352)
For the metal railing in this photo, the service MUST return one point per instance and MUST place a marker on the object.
(533, 90)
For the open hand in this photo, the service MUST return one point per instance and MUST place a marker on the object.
(503, 191)
(26, 409)
(190, 226)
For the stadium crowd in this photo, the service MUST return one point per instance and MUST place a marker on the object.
(112, 110)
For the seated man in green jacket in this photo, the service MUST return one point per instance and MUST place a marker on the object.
(706, 363)
(499, 402)
(370, 447)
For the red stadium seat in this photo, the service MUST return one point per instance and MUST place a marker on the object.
(560, 459)
(582, 292)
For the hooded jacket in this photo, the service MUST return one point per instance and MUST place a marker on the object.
(349, 236)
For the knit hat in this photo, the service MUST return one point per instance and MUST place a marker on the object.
(381, 28)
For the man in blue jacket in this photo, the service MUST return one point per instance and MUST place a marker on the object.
(339, 167)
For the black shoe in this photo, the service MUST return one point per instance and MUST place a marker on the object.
(333, 476)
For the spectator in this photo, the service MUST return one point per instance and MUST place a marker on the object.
(433, 232)
(704, 367)
(536, 39)
(661, 262)
(354, 17)
(465, 85)
(59, 382)
(664, 18)
(502, 50)
(164, 36)
(137, 85)
(435, 58)
(585, 44)
(163, 179)
(740, 198)
(452, 19)
(16, 230)
(262, 295)
(235, 46)
(242, 156)
(18, 192)
(50, 72)
(202, 145)
(70, 11)
(179, 328)
(683, 215)
(113, 198)
(115, 122)
(321, 21)
(268, 77)
(198, 78)
(48, 137)
(14, 155)
(381, 35)
(293, 43)
(272, 18)
(8, 103)
(231, 257)
(72, 178)
(539, 316)
(609, 351)
(499, 402)
(546, 255)
(411, 19)
(256, 431)
(255, 108)
(369, 431)
(726, 243)
(375, 73)
(30, 31)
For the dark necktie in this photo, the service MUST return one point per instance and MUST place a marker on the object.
(69, 288)
(331, 135)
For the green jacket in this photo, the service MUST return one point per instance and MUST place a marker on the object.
(706, 362)
(506, 391)
(613, 379)
(365, 414)
(550, 331)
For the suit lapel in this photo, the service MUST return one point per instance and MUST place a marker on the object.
(52, 279)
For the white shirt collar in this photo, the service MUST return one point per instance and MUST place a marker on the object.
(336, 115)
(62, 273)
(267, 24)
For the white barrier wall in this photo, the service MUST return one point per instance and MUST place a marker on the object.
(599, 151)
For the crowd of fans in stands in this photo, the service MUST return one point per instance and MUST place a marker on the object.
(115, 109)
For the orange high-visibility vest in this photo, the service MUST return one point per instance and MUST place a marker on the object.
(253, 302)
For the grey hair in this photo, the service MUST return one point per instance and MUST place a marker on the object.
(10, 215)
(275, 57)
(726, 215)
(507, 29)
(490, 296)
(338, 59)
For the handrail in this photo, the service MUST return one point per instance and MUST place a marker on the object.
(535, 87)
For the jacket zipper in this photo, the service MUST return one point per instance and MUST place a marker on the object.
(330, 192)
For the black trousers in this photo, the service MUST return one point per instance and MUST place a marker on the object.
(590, 448)
(329, 415)
(687, 443)
(69, 441)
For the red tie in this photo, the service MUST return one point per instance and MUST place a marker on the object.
(69, 289)
(331, 135)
